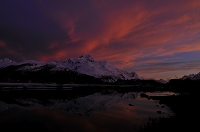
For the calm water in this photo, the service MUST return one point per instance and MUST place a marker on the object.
(100, 111)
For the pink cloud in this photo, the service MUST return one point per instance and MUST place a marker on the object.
(2, 44)
(122, 31)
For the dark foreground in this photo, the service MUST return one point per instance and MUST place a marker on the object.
(184, 105)
(187, 113)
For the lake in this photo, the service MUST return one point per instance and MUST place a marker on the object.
(69, 110)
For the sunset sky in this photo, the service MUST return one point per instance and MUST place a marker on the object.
(154, 38)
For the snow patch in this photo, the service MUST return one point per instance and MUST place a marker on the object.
(6, 62)
(84, 64)
(192, 77)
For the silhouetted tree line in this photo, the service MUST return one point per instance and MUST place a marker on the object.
(139, 82)
(186, 85)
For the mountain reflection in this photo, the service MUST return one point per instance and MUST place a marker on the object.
(77, 111)
(84, 105)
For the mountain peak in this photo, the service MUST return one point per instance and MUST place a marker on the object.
(6, 60)
(191, 76)
(85, 64)
(87, 57)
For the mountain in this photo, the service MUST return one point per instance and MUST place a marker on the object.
(6, 62)
(82, 66)
(85, 64)
(188, 83)
(192, 77)
(162, 81)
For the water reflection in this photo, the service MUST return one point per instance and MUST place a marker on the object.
(160, 93)
(94, 112)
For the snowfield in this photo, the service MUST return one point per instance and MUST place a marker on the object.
(85, 64)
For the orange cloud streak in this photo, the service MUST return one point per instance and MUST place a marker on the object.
(124, 31)
(56, 56)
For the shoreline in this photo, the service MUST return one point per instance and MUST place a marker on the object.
(51, 86)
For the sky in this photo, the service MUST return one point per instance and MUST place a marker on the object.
(154, 38)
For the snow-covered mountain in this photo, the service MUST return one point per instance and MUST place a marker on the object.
(85, 64)
(192, 77)
(162, 81)
(6, 62)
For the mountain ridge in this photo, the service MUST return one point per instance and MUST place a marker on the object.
(84, 64)
(191, 77)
